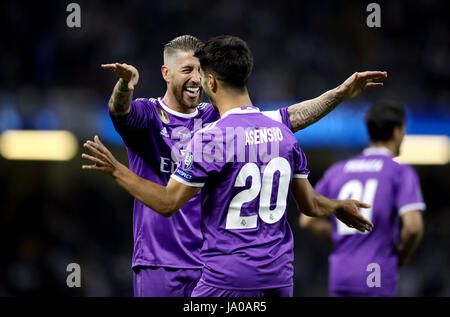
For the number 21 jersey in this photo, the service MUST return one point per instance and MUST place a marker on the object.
(391, 189)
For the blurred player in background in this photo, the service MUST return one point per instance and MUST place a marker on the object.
(245, 162)
(394, 192)
(166, 258)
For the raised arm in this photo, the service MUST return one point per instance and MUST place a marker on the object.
(313, 204)
(410, 235)
(165, 200)
(307, 112)
(122, 95)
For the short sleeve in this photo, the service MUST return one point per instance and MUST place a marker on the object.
(204, 155)
(300, 170)
(280, 115)
(141, 113)
(409, 194)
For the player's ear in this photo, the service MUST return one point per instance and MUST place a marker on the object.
(165, 72)
(398, 132)
(212, 83)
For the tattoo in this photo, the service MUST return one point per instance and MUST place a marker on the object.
(305, 113)
(120, 101)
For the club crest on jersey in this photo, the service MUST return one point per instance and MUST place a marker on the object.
(163, 116)
(188, 160)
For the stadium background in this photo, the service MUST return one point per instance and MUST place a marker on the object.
(52, 213)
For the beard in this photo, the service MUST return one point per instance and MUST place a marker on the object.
(183, 100)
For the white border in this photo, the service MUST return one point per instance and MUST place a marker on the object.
(176, 113)
(274, 115)
(300, 175)
(410, 207)
(377, 150)
(182, 181)
(239, 110)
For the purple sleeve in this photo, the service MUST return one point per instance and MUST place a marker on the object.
(300, 170)
(409, 194)
(199, 159)
(141, 113)
(285, 117)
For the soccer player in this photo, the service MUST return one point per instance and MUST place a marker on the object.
(366, 264)
(244, 162)
(166, 250)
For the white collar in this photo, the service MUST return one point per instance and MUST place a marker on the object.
(377, 150)
(241, 110)
(176, 113)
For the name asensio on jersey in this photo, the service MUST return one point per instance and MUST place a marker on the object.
(264, 135)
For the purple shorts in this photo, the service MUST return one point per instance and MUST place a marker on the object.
(150, 281)
(204, 290)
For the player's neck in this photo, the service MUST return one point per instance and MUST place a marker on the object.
(230, 101)
(172, 102)
(388, 145)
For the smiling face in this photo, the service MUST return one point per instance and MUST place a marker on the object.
(183, 79)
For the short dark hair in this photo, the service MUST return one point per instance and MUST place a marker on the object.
(227, 57)
(383, 117)
(183, 43)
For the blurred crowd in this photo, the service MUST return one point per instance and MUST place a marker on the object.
(51, 75)
(52, 214)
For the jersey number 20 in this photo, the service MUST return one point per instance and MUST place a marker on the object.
(262, 187)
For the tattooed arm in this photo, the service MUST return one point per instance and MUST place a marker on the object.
(307, 112)
(122, 95)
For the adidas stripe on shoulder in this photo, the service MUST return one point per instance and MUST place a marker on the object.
(202, 106)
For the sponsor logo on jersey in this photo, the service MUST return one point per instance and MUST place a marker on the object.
(183, 174)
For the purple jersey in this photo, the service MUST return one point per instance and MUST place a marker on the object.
(244, 163)
(156, 136)
(391, 189)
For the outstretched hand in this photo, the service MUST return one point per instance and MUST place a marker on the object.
(358, 82)
(128, 73)
(347, 212)
(102, 158)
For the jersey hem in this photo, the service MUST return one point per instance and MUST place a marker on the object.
(245, 288)
(145, 263)
(184, 182)
(410, 207)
